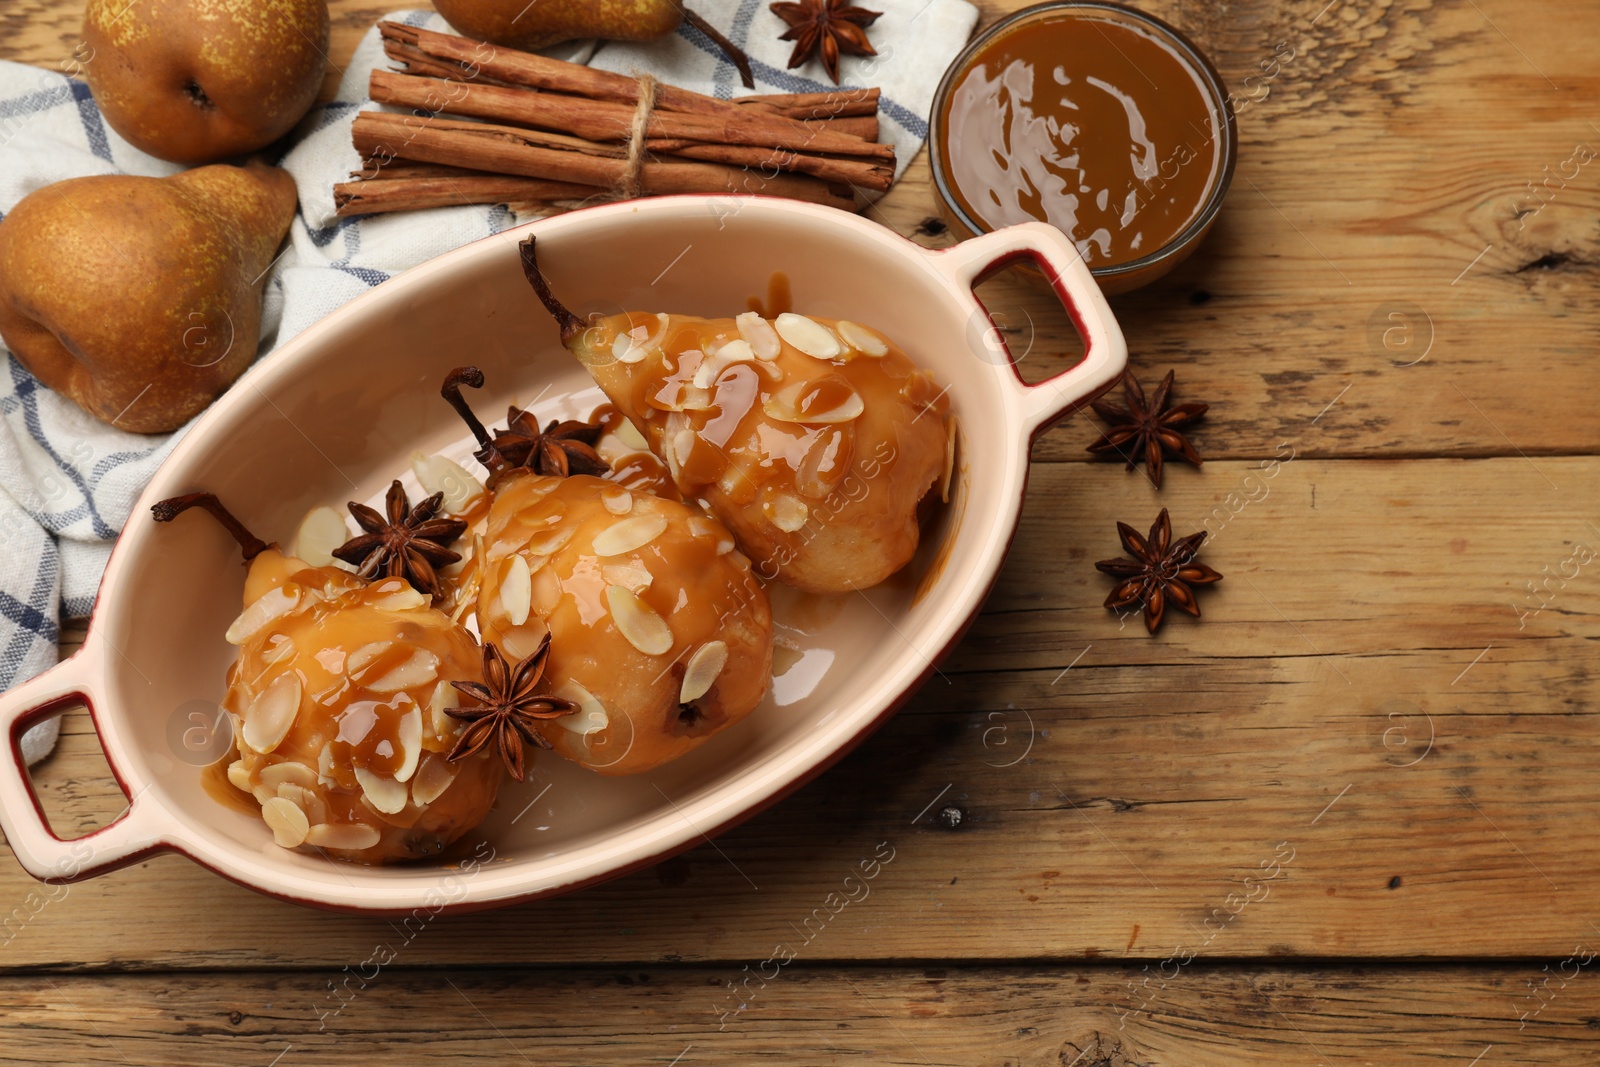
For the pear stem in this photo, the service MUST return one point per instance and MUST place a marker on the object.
(734, 53)
(570, 324)
(169, 509)
(487, 454)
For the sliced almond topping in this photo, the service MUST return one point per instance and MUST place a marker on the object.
(433, 778)
(629, 435)
(683, 446)
(270, 716)
(700, 526)
(287, 822)
(439, 475)
(365, 656)
(788, 513)
(627, 535)
(402, 598)
(724, 547)
(321, 531)
(279, 648)
(617, 501)
(829, 401)
(306, 800)
(591, 715)
(325, 766)
(409, 738)
(808, 335)
(861, 339)
(549, 544)
(239, 777)
(267, 609)
(633, 576)
(384, 794)
(638, 624)
(546, 592)
(444, 697)
(288, 773)
(702, 671)
(739, 351)
(633, 345)
(523, 641)
(758, 333)
(516, 591)
(343, 837)
(420, 668)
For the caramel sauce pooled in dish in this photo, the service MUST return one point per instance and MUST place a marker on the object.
(1095, 125)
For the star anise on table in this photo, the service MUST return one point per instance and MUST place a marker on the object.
(1145, 427)
(410, 542)
(1159, 573)
(826, 28)
(560, 449)
(508, 707)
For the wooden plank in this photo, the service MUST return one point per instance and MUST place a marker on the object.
(1362, 698)
(814, 1013)
(1360, 192)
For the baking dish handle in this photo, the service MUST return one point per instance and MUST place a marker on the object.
(1105, 352)
(44, 855)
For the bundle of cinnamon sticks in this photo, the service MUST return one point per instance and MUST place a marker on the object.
(493, 125)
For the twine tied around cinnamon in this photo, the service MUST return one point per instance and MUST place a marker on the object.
(629, 187)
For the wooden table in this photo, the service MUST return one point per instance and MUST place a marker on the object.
(1389, 704)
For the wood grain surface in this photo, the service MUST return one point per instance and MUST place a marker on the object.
(1389, 704)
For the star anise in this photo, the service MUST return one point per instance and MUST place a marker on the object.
(826, 27)
(410, 543)
(508, 707)
(1159, 572)
(1149, 428)
(560, 449)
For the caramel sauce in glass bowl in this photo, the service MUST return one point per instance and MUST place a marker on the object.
(1101, 120)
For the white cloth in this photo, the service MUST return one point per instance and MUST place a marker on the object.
(68, 482)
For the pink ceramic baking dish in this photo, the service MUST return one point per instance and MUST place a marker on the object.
(335, 414)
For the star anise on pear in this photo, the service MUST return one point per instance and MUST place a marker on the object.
(826, 28)
(410, 542)
(509, 705)
(1147, 428)
(560, 449)
(1160, 572)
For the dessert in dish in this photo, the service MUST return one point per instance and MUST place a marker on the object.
(341, 702)
(659, 632)
(814, 440)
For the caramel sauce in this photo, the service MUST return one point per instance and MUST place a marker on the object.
(1096, 126)
(779, 297)
(816, 463)
(693, 586)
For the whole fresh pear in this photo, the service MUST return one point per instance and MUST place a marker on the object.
(140, 298)
(195, 81)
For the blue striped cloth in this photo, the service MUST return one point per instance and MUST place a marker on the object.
(68, 482)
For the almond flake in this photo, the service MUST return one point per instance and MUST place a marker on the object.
(703, 670)
(683, 446)
(759, 335)
(239, 776)
(629, 435)
(384, 794)
(627, 535)
(632, 576)
(861, 339)
(617, 501)
(524, 641)
(549, 544)
(516, 591)
(434, 776)
(402, 598)
(788, 513)
(267, 609)
(343, 837)
(363, 657)
(439, 475)
(444, 697)
(287, 822)
(590, 718)
(270, 716)
(633, 345)
(546, 592)
(304, 799)
(325, 766)
(321, 531)
(288, 773)
(420, 668)
(700, 526)
(409, 740)
(279, 648)
(784, 405)
(638, 624)
(808, 335)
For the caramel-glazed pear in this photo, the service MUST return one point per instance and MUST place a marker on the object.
(814, 440)
(140, 298)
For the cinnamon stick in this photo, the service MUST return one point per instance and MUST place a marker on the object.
(389, 194)
(836, 104)
(509, 150)
(599, 120)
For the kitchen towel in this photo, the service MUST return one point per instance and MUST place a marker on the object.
(68, 482)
